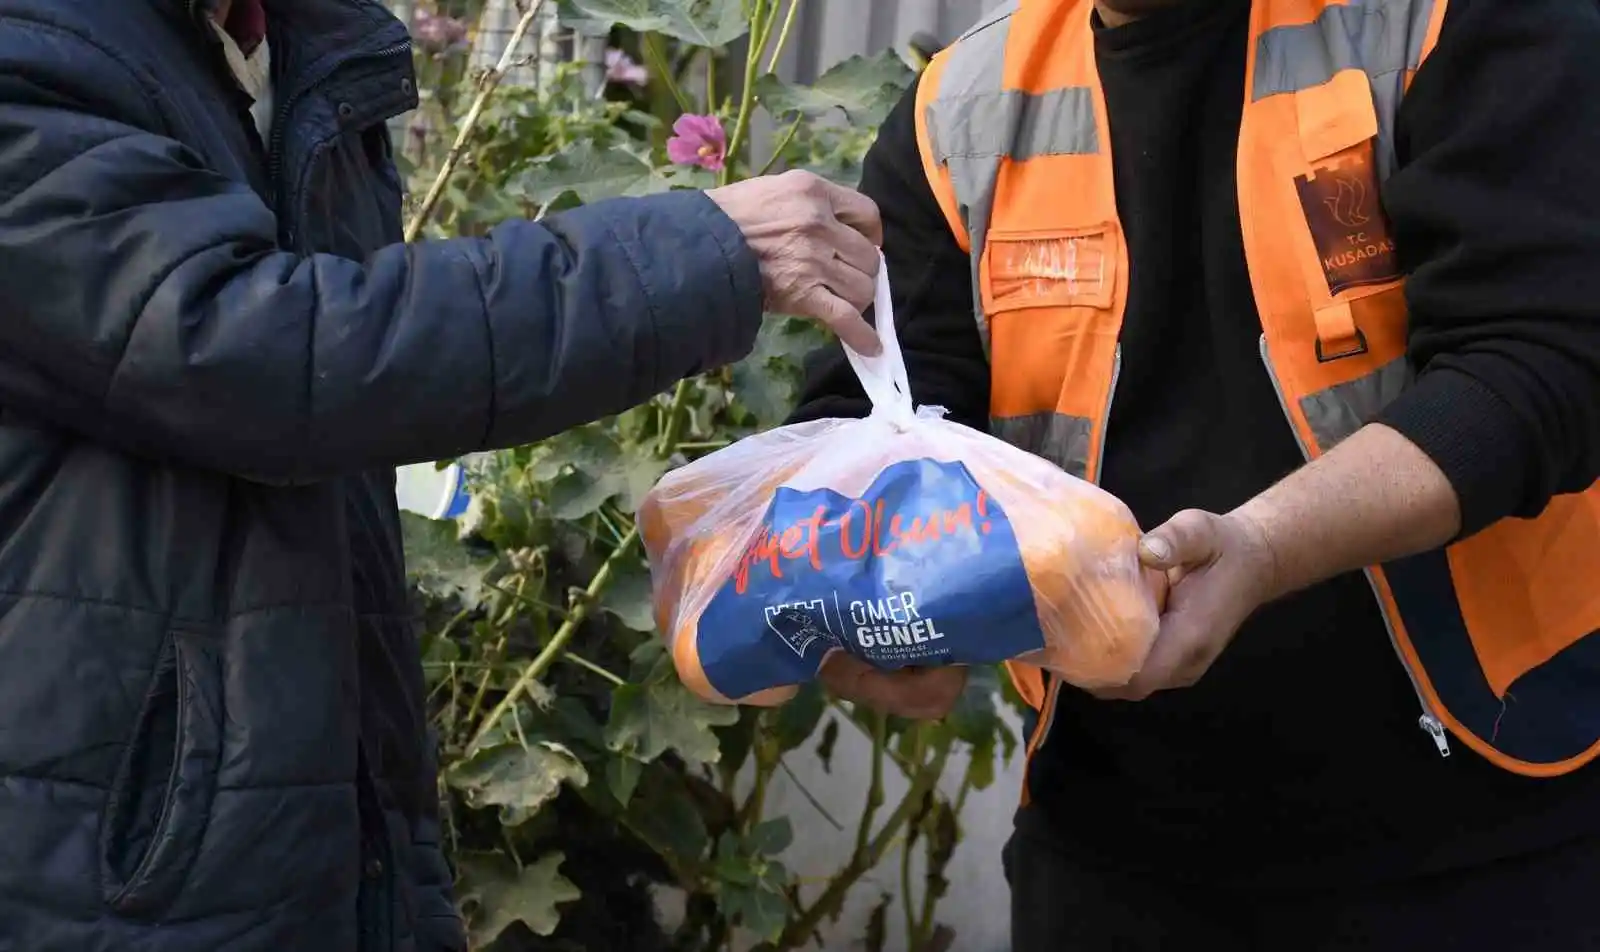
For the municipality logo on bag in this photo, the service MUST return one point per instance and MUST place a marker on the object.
(920, 569)
(797, 626)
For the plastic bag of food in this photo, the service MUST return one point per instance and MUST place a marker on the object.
(902, 539)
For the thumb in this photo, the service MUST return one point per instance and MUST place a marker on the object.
(1187, 539)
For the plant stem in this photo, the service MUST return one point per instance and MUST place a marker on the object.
(930, 901)
(581, 606)
(657, 58)
(783, 35)
(755, 804)
(593, 668)
(907, 902)
(760, 26)
(558, 641)
(777, 148)
(486, 87)
(676, 414)
(711, 83)
(919, 744)
(800, 928)
(880, 736)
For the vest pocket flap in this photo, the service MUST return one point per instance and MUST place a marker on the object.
(1067, 267)
(1336, 115)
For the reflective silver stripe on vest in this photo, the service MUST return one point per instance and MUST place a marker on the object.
(1340, 410)
(973, 124)
(1014, 124)
(1382, 38)
(1063, 440)
(974, 74)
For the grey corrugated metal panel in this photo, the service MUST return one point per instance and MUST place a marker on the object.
(830, 31)
(833, 30)
(495, 26)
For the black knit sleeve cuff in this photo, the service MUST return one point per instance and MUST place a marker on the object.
(1473, 436)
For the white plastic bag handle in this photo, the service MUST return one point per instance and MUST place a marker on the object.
(884, 377)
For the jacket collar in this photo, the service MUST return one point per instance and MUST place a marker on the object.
(318, 28)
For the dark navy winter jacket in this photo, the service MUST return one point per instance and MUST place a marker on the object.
(213, 352)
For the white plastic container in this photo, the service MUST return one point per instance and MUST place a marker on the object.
(425, 489)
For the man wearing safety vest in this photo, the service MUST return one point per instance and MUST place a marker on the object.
(1314, 287)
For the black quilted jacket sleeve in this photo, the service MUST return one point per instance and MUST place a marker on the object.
(145, 304)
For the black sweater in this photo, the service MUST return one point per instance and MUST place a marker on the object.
(1298, 758)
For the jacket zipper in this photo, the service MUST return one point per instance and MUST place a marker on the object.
(281, 118)
(1428, 721)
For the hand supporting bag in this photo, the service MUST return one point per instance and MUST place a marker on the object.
(903, 539)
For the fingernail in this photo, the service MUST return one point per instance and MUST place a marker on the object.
(1156, 548)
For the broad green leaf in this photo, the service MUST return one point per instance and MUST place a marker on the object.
(591, 174)
(499, 894)
(865, 88)
(647, 720)
(734, 867)
(622, 777)
(975, 716)
(688, 176)
(501, 510)
(665, 815)
(628, 596)
(795, 721)
(649, 661)
(770, 837)
(580, 24)
(698, 22)
(571, 716)
(757, 908)
(517, 780)
(436, 560)
(980, 768)
(440, 651)
(767, 382)
(593, 468)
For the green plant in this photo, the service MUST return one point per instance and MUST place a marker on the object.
(577, 773)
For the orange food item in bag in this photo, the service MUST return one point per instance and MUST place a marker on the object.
(901, 539)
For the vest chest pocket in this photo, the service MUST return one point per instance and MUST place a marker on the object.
(1346, 247)
(1052, 300)
(1329, 285)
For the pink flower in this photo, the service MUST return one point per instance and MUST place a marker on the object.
(698, 140)
(437, 34)
(622, 70)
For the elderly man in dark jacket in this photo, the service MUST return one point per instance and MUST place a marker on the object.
(213, 351)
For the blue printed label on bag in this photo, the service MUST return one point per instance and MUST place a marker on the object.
(922, 569)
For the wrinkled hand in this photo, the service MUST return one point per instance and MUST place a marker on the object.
(1221, 570)
(818, 247)
(919, 694)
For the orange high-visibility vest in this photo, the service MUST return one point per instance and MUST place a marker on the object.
(1500, 633)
